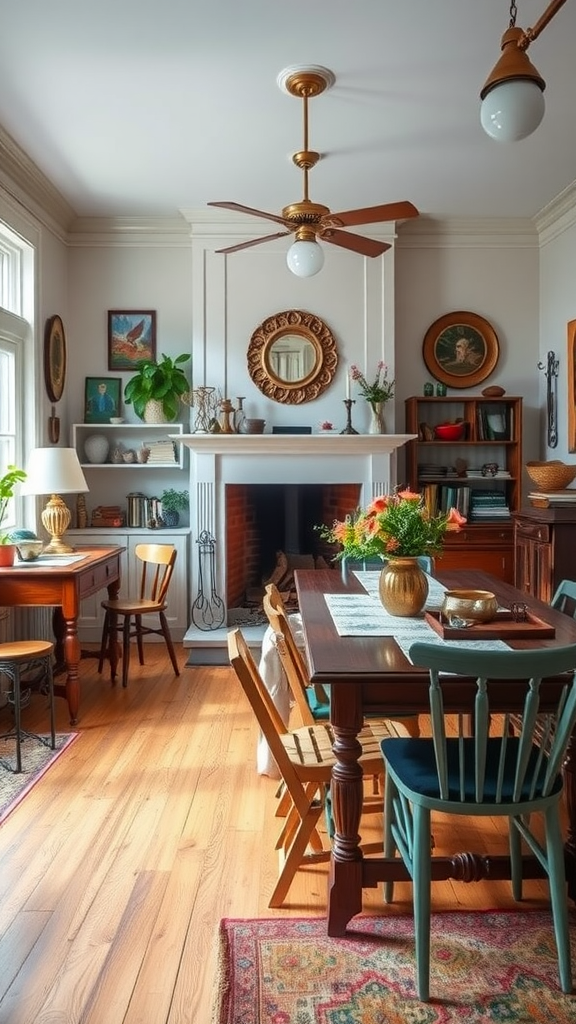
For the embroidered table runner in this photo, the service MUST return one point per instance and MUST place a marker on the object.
(364, 615)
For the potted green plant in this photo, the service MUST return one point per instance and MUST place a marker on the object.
(157, 387)
(11, 477)
(173, 502)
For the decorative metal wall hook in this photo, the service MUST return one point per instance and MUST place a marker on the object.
(551, 373)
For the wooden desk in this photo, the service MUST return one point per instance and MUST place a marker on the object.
(64, 587)
(372, 674)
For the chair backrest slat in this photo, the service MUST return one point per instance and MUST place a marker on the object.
(547, 718)
(158, 562)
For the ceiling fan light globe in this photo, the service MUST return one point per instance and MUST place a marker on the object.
(305, 258)
(512, 110)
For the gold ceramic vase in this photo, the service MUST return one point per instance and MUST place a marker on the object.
(403, 587)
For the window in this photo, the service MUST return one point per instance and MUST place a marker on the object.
(17, 363)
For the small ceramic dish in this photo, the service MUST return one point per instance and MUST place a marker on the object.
(29, 550)
(469, 607)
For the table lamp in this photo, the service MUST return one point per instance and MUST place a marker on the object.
(54, 471)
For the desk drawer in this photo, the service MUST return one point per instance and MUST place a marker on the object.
(99, 576)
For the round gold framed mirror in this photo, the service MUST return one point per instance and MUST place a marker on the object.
(292, 357)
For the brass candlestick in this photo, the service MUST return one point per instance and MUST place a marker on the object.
(349, 429)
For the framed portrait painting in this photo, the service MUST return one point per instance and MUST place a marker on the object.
(461, 349)
(101, 399)
(131, 337)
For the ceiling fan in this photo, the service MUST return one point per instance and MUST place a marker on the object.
(308, 221)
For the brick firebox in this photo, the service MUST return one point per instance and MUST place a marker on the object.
(264, 518)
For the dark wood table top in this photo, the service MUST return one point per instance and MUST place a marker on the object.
(364, 659)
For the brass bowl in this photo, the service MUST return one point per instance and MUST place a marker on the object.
(468, 607)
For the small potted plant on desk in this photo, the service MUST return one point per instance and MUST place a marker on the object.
(11, 477)
(172, 504)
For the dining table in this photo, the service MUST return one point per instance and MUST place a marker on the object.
(361, 653)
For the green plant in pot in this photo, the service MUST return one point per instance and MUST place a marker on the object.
(8, 482)
(157, 387)
(173, 503)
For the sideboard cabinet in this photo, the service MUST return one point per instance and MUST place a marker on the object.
(545, 549)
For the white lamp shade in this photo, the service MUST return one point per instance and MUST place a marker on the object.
(305, 258)
(54, 471)
(512, 110)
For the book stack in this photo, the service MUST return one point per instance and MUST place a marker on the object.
(488, 505)
(163, 451)
(552, 499)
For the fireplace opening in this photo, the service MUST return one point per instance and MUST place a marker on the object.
(267, 524)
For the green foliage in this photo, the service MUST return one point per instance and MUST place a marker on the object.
(164, 381)
(174, 501)
(8, 482)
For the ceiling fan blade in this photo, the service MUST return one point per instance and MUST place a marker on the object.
(374, 214)
(347, 240)
(248, 209)
(254, 241)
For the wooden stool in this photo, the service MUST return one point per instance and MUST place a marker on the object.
(26, 655)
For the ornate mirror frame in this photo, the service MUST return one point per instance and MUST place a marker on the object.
(299, 324)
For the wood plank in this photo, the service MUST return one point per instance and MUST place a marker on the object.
(119, 865)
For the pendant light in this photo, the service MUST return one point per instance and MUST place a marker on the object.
(513, 94)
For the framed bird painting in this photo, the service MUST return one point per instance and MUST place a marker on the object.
(131, 337)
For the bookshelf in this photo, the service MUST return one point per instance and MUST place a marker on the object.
(480, 474)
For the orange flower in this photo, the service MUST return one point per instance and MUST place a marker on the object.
(455, 520)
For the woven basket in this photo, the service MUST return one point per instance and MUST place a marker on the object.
(551, 476)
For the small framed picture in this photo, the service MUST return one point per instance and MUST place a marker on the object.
(102, 399)
(131, 337)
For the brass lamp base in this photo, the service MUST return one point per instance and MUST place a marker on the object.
(56, 520)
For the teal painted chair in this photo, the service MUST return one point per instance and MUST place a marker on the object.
(483, 775)
(565, 597)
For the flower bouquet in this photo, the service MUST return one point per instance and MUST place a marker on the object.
(394, 525)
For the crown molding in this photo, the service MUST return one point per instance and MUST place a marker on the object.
(24, 180)
(129, 231)
(558, 215)
(480, 232)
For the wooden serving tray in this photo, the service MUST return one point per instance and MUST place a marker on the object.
(503, 627)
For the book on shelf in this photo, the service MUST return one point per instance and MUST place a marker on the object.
(547, 499)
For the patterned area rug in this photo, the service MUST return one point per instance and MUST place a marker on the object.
(485, 967)
(36, 760)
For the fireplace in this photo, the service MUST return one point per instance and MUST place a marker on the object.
(263, 520)
(228, 462)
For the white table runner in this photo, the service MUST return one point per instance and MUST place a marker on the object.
(364, 615)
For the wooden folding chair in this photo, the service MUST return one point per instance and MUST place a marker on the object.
(313, 702)
(305, 759)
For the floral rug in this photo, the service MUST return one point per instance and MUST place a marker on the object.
(36, 760)
(485, 967)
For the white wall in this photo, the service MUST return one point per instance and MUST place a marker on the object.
(558, 306)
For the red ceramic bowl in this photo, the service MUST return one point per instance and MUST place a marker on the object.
(449, 431)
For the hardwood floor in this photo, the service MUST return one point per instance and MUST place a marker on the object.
(117, 867)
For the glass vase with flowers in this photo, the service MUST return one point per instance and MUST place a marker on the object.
(398, 528)
(377, 393)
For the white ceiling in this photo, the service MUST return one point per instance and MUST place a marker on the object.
(135, 107)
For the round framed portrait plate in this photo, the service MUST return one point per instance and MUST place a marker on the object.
(54, 358)
(461, 349)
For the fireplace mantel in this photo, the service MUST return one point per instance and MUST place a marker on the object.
(220, 460)
(293, 444)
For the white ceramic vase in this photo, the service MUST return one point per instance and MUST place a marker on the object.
(96, 448)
